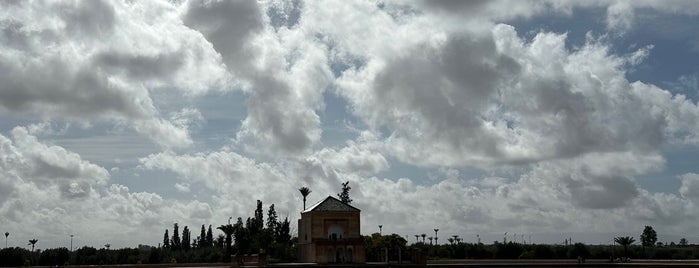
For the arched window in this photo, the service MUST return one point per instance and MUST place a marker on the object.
(331, 255)
(335, 232)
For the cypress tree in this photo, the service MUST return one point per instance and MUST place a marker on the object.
(209, 237)
(271, 218)
(202, 237)
(344, 194)
(166, 240)
(186, 238)
(259, 221)
(176, 243)
(284, 233)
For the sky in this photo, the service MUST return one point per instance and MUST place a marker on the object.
(543, 119)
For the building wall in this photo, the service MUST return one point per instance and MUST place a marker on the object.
(315, 241)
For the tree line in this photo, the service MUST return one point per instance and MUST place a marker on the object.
(272, 235)
(179, 246)
(244, 237)
(379, 246)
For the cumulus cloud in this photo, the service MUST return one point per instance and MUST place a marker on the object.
(237, 30)
(99, 60)
(55, 190)
(353, 158)
(690, 186)
(475, 99)
(229, 176)
(560, 131)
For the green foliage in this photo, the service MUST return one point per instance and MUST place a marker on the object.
(648, 237)
(166, 239)
(155, 255)
(282, 233)
(202, 242)
(304, 192)
(375, 244)
(624, 241)
(186, 238)
(33, 243)
(508, 250)
(13, 256)
(175, 243)
(543, 252)
(209, 237)
(683, 242)
(344, 193)
(56, 256)
(579, 249)
(228, 230)
(272, 218)
(259, 220)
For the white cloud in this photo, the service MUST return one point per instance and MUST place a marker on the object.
(690, 186)
(481, 99)
(230, 176)
(560, 132)
(99, 60)
(353, 158)
(620, 16)
(49, 193)
(275, 78)
(183, 187)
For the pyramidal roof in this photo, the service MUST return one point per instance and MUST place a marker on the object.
(330, 204)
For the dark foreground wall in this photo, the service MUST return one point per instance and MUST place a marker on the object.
(440, 264)
(561, 263)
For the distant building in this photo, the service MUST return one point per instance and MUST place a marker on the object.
(329, 233)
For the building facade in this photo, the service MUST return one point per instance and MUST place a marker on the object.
(329, 232)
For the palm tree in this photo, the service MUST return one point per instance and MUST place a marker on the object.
(624, 241)
(417, 236)
(228, 230)
(435, 235)
(451, 240)
(305, 192)
(107, 246)
(430, 238)
(6, 235)
(423, 237)
(456, 238)
(33, 242)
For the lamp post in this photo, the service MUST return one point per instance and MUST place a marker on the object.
(71, 243)
(435, 236)
(380, 227)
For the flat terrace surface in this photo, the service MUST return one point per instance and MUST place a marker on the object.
(562, 263)
(492, 263)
